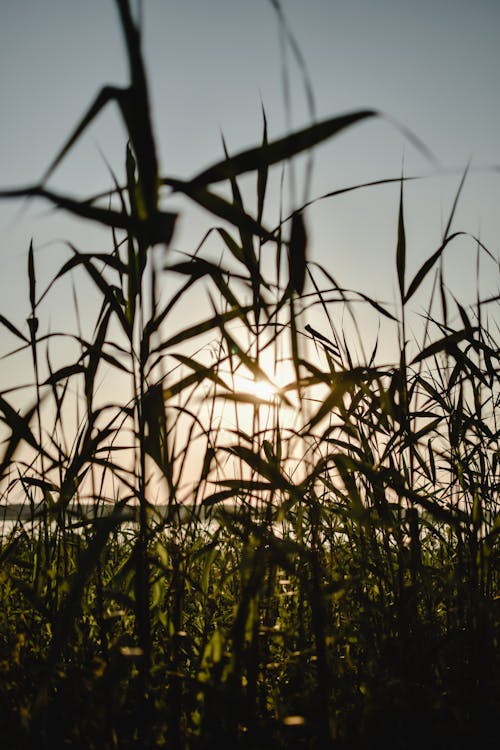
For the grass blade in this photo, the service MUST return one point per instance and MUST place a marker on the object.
(272, 153)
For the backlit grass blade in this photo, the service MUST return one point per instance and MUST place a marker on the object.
(156, 229)
(197, 377)
(444, 345)
(401, 247)
(94, 355)
(297, 254)
(268, 470)
(107, 290)
(136, 113)
(210, 324)
(343, 383)
(19, 424)
(256, 158)
(231, 244)
(12, 328)
(31, 277)
(106, 95)
(332, 346)
(297, 52)
(220, 207)
(341, 191)
(134, 106)
(344, 292)
(245, 236)
(427, 266)
(248, 361)
(113, 261)
(64, 373)
(262, 173)
(455, 203)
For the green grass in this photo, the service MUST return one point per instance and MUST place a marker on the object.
(317, 568)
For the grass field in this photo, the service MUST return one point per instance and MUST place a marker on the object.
(269, 538)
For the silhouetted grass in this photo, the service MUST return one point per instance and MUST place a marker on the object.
(204, 564)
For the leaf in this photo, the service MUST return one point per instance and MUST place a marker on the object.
(220, 207)
(297, 252)
(277, 151)
(64, 373)
(235, 250)
(12, 328)
(134, 105)
(156, 229)
(213, 323)
(136, 113)
(94, 354)
(106, 289)
(154, 417)
(106, 95)
(334, 400)
(455, 203)
(426, 267)
(243, 398)
(31, 275)
(245, 236)
(202, 370)
(262, 174)
(113, 261)
(249, 363)
(330, 345)
(19, 425)
(401, 247)
(130, 168)
(197, 268)
(218, 497)
(194, 378)
(341, 191)
(443, 345)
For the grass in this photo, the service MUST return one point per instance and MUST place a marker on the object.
(208, 564)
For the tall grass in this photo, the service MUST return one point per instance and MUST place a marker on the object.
(202, 564)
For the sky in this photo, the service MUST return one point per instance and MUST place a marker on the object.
(432, 65)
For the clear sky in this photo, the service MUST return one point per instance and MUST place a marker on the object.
(433, 65)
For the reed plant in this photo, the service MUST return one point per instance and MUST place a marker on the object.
(263, 538)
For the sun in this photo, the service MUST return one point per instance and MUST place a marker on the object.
(260, 388)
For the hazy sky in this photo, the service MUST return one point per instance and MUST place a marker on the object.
(433, 65)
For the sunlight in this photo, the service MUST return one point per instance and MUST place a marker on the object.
(262, 389)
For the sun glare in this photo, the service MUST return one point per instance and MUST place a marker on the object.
(267, 388)
(262, 389)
